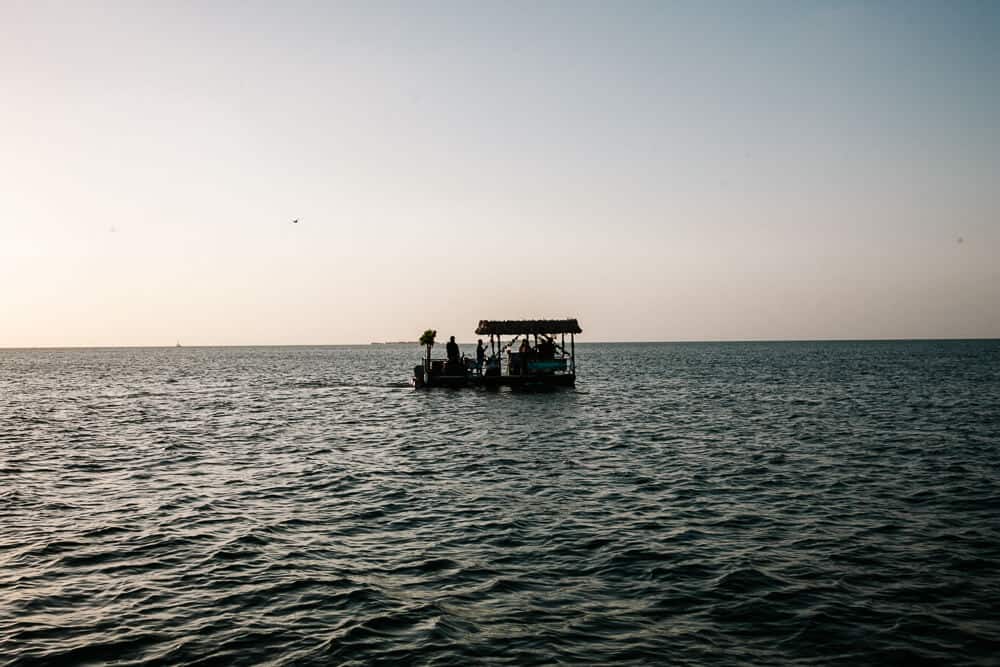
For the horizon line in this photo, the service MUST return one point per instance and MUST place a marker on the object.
(592, 342)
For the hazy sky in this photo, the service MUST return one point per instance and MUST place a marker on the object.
(663, 171)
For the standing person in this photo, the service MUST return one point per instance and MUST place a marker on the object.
(480, 356)
(522, 356)
(452, 349)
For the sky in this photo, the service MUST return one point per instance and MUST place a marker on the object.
(661, 171)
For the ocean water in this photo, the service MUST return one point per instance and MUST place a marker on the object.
(757, 503)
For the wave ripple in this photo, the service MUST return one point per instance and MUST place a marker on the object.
(806, 503)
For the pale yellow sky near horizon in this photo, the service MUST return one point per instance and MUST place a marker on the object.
(683, 172)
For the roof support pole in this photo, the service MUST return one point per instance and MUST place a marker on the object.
(572, 353)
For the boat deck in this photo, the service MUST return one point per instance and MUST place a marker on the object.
(541, 361)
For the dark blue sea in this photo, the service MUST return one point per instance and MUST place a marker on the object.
(725, 503)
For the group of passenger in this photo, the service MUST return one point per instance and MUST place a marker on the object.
(546, 349)
(453, 353)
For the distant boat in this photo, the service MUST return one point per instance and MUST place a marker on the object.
(178, 344)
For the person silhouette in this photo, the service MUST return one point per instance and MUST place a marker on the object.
(480, 356)
(452, 349)
(523, 353)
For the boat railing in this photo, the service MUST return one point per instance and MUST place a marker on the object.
(546, 365)
(441, 366)
(517, 365)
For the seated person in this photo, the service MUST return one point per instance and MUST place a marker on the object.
(493, 365)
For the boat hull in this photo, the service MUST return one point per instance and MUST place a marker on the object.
(529, 382)
(515, 382)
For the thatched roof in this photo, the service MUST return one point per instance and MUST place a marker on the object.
(515, 327)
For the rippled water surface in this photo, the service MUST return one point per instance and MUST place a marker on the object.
(687, 504)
